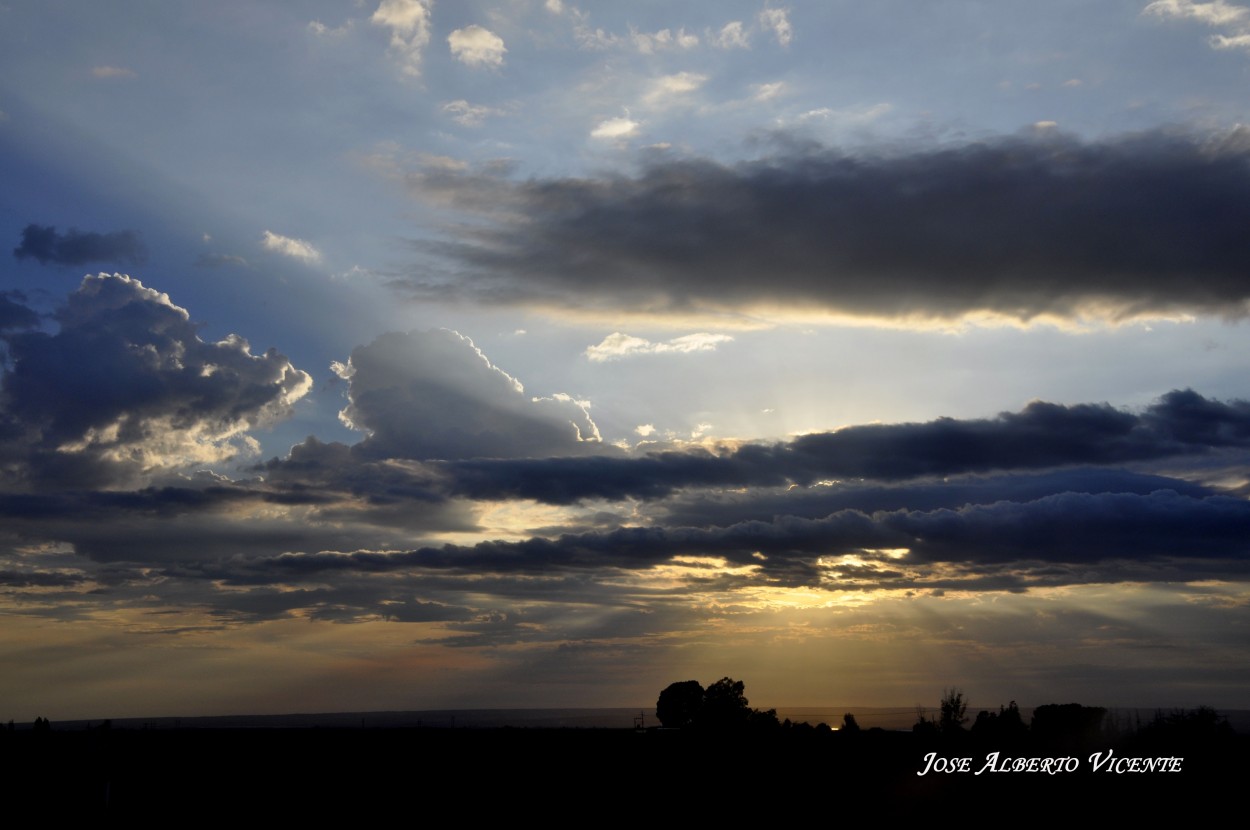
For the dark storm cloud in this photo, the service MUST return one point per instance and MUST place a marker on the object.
(1041, 435)
(74, 247)
(1021, 226)
(37, 579)
(433, 394)
(701, 508)
(15, 315)
(1105, 537)
(126, 386)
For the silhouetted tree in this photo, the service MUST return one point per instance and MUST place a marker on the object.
(953, 710)
(1201, 725)
(725, 705)
(1005, 725)
(680, 703)
(849, 724)
(766, 719)
(721, 706)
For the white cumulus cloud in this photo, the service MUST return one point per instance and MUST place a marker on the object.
(615, 128)
(289, 246)
(1233, 20)
(733, 35)
(476, 46)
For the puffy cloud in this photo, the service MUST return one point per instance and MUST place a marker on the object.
(75, 247)
(434, 394)
(777, 21)
(1218, 14)
(732, 35)
(136, 391)
(409, 22)
(476, 46)
(622, 127)
(1037, 225)
(662, 40)
(289, 246)
(618, 345)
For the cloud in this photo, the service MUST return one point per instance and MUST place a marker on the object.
(14, 315)
(777, 21)
(322, 30)
(854, 116)
(476, 46)
(289, 246)
(1161, 536)
(765, 92)
(662, 40)
(1217, 14)
(663, 90)
(1022, 227)
(74, 247)
(469, 115)
(732, 35)
(409, 22)
(615, 128)
(617, 345)
(433, 394)
(1041, 436)
(113, 72)
(136, 391)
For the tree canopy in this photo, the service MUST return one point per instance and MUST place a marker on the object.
(679, 704)
(722, 706)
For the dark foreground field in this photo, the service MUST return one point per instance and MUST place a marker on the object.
(588, 775)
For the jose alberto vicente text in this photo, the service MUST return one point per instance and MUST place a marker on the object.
(1106, 761)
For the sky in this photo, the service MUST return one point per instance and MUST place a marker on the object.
(411, 354)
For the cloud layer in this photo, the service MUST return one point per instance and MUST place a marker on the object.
(1020, 227)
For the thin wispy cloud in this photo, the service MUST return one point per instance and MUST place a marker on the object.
(618, 345)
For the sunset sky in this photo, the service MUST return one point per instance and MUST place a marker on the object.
(423, 354)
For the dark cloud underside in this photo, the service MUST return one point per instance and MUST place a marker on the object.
(74, 247)
(1020, 226)
(1040, 436)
